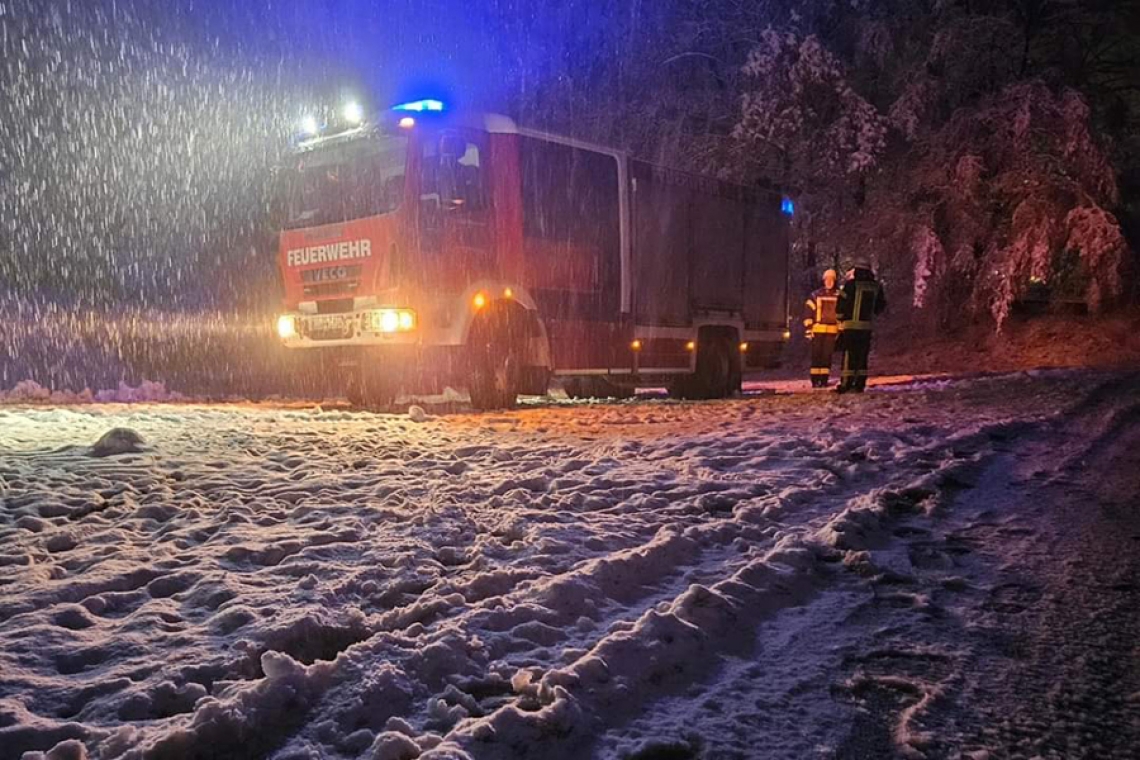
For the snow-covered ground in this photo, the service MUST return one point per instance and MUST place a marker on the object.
(781, 576)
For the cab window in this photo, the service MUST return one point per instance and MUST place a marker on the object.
(355, 180)
(453, 176)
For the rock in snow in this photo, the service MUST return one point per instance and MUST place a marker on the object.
(118, 440)
(417, 413)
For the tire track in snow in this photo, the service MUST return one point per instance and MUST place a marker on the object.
(618, 676)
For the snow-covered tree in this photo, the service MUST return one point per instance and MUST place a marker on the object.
(960, 178)
(801, 117)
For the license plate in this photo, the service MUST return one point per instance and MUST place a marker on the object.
(329, 325)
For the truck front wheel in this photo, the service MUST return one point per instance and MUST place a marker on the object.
(496, 351)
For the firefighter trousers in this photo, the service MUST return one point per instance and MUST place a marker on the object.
(822, 348)
(856, 352)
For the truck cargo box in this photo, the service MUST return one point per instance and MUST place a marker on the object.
(704, 246)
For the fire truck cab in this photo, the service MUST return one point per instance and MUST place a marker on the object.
(424, 248)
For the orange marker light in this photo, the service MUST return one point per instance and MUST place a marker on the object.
(636, 345)
(508, 293)
(691, 345)
(479, 301)
(743, 348)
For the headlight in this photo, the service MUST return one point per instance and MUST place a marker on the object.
(286, 326)
(393, 320)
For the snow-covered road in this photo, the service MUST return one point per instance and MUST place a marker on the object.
(745, 579)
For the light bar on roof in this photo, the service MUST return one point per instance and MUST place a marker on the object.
(353, 112)
(420, 106)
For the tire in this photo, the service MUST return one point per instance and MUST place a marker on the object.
(496, 358)
(368, 389)
(718, 373)
(736, 369)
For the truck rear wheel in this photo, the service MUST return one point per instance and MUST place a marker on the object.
(722, 374)
(496, 350)
(718, 371)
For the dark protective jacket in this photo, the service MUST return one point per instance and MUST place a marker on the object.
(861, 299)
(819, 312)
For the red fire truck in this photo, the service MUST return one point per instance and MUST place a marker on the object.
(424, 248)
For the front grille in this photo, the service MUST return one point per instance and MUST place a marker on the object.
(331, 288)
(334, 306)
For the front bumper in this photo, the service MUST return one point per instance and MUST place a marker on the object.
(382, 326)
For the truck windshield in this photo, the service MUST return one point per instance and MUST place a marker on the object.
(351, 180)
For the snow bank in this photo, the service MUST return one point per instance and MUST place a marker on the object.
(671, 643)
(248, 720)
(31, 392)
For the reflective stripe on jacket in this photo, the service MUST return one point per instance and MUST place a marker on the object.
(819, 312)
(860, 301)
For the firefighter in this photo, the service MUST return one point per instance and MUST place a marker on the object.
(861, 299)
(822, 328)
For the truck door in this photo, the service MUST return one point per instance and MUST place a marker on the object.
(454, 209)
(572, 250)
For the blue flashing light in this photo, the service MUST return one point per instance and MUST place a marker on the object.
(420, 106)
(788, 206)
